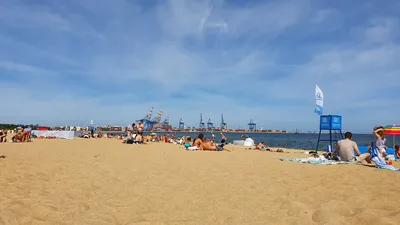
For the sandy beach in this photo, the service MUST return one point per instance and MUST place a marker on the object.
(105, 182)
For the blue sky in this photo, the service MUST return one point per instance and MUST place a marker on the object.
(66, 62)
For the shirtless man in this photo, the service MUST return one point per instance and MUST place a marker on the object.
(261, 146)
(20, 136)
(139, 136)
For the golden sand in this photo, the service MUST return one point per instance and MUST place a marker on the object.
(105, 182)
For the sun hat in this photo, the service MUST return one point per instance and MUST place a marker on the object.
(378, 127)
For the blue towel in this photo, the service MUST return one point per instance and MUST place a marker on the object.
(376, 157)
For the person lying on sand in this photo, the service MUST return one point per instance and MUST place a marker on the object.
(198, 142)
(204, 145)
(261, 146)
(209, 146)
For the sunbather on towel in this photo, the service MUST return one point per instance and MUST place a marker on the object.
(204, 145)
(261, 146)
(209, 146)
(198, 142)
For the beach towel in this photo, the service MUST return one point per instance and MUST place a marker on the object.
(380, 163)
(315, 161)
(193, 148)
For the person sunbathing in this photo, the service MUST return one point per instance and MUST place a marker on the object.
(198, 142)
(261, 146)
(397, 151)
(130, 139)
(205, 145)
(209, 146)
(20, 136)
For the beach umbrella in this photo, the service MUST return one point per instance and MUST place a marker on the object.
(393, 130)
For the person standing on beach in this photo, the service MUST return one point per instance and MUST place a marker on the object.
(139, 135)
(345, 150)
(3, 136)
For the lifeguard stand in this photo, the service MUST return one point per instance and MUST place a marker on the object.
(330, 123)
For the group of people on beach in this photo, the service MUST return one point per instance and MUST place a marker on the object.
(346, 148)
(135, 134)
(201, 143)
(22, 135)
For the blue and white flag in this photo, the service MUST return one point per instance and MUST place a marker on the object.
(319, 97)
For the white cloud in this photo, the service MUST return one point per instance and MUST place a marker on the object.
(382, 30)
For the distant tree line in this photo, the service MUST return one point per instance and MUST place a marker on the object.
(8, 126)
(14, 126)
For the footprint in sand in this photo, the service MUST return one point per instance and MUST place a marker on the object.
(42, 213)
(322, 216)
(7, 217)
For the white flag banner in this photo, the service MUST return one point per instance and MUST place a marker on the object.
(319, 98)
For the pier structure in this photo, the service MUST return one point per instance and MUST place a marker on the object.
(156, 121)
(252, 125)
(223, 125)
(202, 125)
(149, 123)
(181, 124)
(166, 120)
(210, 124)
(146, 120)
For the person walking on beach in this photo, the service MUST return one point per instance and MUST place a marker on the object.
(345, 150)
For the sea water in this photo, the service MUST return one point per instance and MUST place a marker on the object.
(283, 140)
